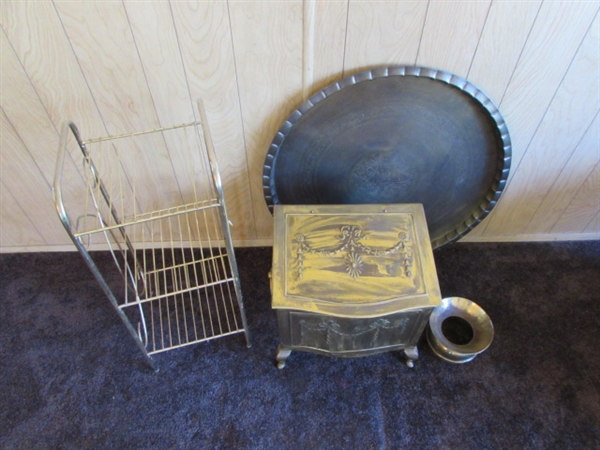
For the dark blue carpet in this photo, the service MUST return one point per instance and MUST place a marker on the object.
(72, 378)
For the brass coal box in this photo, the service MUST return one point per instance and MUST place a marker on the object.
(352, 280)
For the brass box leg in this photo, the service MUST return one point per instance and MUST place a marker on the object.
(412, 354)
(282, 355)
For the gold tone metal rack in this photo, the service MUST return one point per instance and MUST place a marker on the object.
(154, 200)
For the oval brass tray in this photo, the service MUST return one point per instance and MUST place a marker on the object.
(395, 135)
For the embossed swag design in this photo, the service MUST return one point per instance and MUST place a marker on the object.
(354, 251)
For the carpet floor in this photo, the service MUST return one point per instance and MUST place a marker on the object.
(72, 378)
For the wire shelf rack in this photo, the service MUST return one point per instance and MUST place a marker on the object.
(154, 200)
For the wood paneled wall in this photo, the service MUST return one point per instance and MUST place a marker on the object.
(115, 67)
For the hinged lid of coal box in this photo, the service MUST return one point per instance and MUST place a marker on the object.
(353, 260)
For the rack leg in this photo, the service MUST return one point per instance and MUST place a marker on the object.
(136, 337)
(113, 301)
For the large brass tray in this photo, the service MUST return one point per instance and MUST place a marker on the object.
(395, 135)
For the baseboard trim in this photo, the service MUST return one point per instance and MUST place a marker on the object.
(269, 242)
(71, 247)
(534, 237)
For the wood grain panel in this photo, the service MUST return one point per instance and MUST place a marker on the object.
(594, 226)
(35, 32)
(31, 158)
(103, 42)
(21, 176)
(506, 30)
(101, 38)
(554, 40)
(567, 119)
(324, 44)
(26, 113)
(451, 34)
(383, 34)
(41, 96)
(156, 42)
(582, 213)
(204, 36)
(267, 40)
(17, 229)
(558, 198)
(122, 66)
